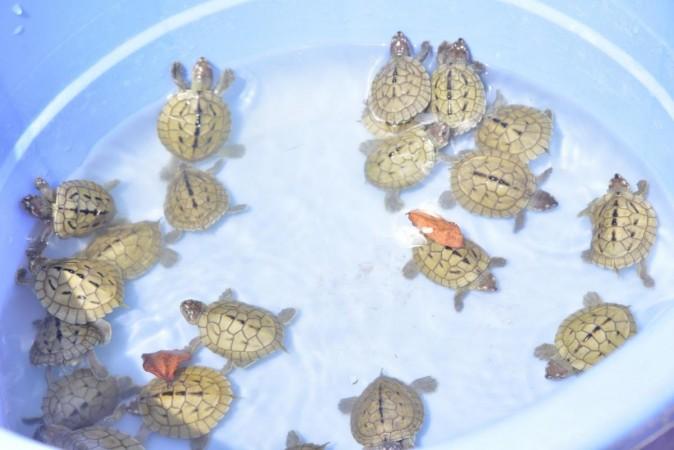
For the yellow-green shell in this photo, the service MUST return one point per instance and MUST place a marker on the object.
(458, 96)
(588, 335)
(624, 227)
(59, 343)
(80, 399)
(516, 129)
(195, 200)
(240, 332)
(453, 268)
(189, 407)
(388, 410)
(99, 438)
(401, 161)
(194, 124)
(492, 183)
(81, 207)
(79, 290)
(401, 90)
(134, 248)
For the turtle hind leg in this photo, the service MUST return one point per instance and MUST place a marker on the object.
(393, 202)
(286, 315)
(458, 299)
(447, 200)
(168, 257)
(592, 299)
(643, 274)
(200, 443)
(232, 151)
(425, 385)
(586, 255)
(293, 440)
(410, 270)
(346, 404)
(545, 352)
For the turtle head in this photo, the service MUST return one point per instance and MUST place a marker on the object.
(400, 45)
(487, 282)
(618, 184)
(456, 51)
(192, 310)
(439, 133)
(202, 75)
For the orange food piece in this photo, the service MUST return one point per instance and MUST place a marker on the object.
(437, 229)
(164, 363)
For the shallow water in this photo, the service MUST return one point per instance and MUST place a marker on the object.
(317, 237)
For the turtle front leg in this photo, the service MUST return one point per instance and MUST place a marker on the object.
(200, 443)
(193, 346)
(543, 177)
(586, 255)
(23, 277)
(232, 151)
(588, 209)
(39, 243)
(178, 75)
(286, 315)
(643, 274)
(425, 385)
(225, 81)
(110, 185)
(43, 187)
(168, 257)
(370, 146)
(459, 298)
(346, 405)
(392, 201)
(520, 220)
(642, 188)
(410, 270)
(236, 209)
(174, 236)
(424, 52)
(447, 200)
(592, 299)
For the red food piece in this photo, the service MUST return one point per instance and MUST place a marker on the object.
(437, 229)
(164, 363)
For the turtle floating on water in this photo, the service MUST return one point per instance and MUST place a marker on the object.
(293, 442)
(75, 290)
(59, 343)
(240, 332)
(400, 91)
(492, 183)
(195, 199)
(624, 226)
(515, 129)
(458, 98)
(195, 122)
(389, 413)
(75, 208)
(404, 160)
(90, 438)
(463, 269)
(133, 247)
(82, 399)
(586, 337)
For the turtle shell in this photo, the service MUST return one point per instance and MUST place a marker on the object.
(98, 438)
(80, 399)
(588, 335)
(194, 124)
(195, 200)
(401, 161)
(240, 332)
(516, 129)
(387, 411)
(492, 183)
(59, 343)
(189, 407)
(624, 227)
(79, 290)
(81, 207)
(401, 90)
(451, 267)
(134, 247)
(382, 129)
(458, 96)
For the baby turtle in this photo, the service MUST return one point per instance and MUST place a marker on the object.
(134, 248)
(462, 269)
(586, 337)
(516, 129)
(240, 332)
(458, 92)
(496, 184)
(188, 408)
(404, 160)
(75, 290)
(195, 122)
(195, 199)
(389, 413)
(59, 343)
(75, 208)
(401, 90)
(623, 228)
(293, 442)
(90, 438)
(81, 399)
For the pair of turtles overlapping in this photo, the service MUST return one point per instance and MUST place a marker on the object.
(493, 181)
